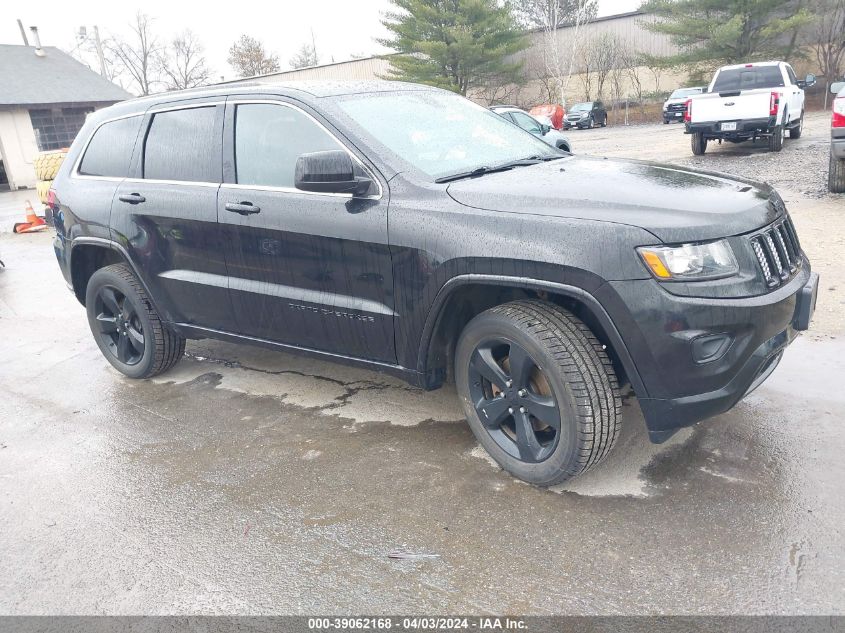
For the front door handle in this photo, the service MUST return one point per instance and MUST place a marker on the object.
(132, 198)
(243, 207)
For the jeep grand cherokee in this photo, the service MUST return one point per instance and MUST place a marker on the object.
(405, 229)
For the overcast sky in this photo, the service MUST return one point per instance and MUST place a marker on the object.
(342, 28)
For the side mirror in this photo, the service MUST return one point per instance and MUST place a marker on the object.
(836, 86)
(329, 172)
(545, 129)
(810, 80)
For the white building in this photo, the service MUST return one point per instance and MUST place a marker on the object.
(45, 95)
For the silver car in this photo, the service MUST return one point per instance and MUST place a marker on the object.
(538, 126)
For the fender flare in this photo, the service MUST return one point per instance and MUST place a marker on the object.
(124, 254)
(574, 292)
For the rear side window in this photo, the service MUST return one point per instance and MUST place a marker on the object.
(268, 140)
(110, 150)
(181, 145)
(748, 79)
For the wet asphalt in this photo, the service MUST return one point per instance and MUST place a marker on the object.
(247, 481)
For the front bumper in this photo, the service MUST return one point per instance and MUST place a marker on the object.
(745, 128)
(696, 358)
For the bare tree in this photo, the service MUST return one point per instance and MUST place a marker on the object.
(656, 66)
(827, 37)
(604, 53)
(555, 13)
(549, 16)
(306, 56)
(248, 58)
(85, 51)
(183, 63)
(138, 56)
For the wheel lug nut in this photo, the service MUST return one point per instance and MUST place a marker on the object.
(523, 393)
(509, 383)
(510, 410)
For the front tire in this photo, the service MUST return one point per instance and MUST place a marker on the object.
(604, 121)
(126, 327)
(539, 391)
(836, 175)
(698, 143)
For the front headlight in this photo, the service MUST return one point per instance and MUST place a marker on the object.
(690, 262)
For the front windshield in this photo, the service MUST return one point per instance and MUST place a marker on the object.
(441, 134)
(580, 107)
(685, 92)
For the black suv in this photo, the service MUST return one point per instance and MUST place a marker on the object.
(585, 115)
(405, 229)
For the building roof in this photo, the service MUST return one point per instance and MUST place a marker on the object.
(28, 79)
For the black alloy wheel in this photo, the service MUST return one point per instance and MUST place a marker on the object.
(126, 326)
(513, 400)
(120, 327)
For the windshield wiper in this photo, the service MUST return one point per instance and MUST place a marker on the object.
(480, 171)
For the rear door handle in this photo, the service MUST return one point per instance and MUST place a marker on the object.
(243, 207)
(132, 198)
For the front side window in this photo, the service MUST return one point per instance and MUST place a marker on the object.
(791, 73)
(181, 145)
(268, 140)
(439, 133)
(526, 122)
(110, 149)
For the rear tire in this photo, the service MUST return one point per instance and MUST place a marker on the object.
(836, 175)
(559, 371)
(126, 327)
(776, 138)
(698, 143)
(604, 121)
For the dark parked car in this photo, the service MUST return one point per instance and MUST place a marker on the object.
(405, 229)
(585, 115)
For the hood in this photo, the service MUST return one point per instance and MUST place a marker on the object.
(673, 203)
(680, 101)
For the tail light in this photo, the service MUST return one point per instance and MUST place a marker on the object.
(688, 110)
(774, 104)
(838, 112)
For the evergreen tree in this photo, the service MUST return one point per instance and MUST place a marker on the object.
(729, 31)
(454, 44)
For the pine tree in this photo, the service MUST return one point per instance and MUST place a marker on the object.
(729, 31)
(454, 44)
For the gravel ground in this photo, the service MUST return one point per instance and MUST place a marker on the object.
(799, 173)
(801, 166)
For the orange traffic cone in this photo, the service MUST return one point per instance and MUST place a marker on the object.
(33, 222)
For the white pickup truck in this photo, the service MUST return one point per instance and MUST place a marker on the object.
(746, 102)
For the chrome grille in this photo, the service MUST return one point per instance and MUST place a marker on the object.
(778, 252)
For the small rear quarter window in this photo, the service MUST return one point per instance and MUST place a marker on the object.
(110, 150)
